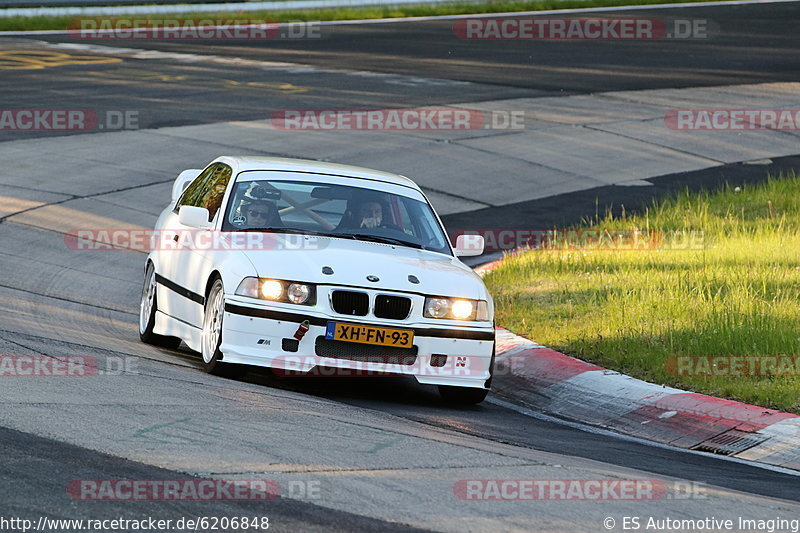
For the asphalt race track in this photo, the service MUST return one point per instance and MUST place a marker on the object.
(347, 454)
(493, 69)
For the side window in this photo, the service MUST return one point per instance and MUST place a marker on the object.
(208, 189)
(216, 190)
(194, 193)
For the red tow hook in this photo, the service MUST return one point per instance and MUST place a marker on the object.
(302, 329)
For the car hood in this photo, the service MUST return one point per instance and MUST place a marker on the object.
(302, 258)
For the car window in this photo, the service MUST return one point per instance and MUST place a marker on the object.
(333, 209)
(218, 183)
(208, 189)
(193, 194)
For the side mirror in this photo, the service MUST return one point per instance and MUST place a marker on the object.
(182, 181)
(194, 217)
(469, 245)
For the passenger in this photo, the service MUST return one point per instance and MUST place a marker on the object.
(370, 215)
(362, 214)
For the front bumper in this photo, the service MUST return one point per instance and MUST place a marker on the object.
(255, 335)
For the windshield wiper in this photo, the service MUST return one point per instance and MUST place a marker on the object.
(384, 240)
(356, 236)
(293, 231)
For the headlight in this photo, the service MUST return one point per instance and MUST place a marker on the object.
(278, 290)
(456, 309)
(437, 307)
(298, 293)
(271, 289)
(462, 309)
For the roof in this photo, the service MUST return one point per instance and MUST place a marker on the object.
(246, 163)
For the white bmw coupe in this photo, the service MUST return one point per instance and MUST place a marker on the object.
(300, 265)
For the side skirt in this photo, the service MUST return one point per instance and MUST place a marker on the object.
(167, 325)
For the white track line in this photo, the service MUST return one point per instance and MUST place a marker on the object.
(476, 15)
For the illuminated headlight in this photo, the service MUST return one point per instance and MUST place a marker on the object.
(278, 290)
(456, 309)
(271, 289)
(462, 309)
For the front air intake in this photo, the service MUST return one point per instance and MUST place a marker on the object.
(392, 307)
(350, 303)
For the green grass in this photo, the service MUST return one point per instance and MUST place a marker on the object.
(631, 310)
(368, 12)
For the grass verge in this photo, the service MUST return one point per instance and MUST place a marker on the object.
(634, 311)
(345, 13)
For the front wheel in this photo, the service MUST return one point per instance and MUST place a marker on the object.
(147, 313)
(462, 395)
(212, 335)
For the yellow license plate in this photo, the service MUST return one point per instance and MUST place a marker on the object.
(399, 338)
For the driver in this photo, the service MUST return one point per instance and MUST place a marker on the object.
(256, 209)
(259, 214)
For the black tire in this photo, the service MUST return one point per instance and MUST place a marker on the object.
(148, 305)
(211, 340)
(462, 395)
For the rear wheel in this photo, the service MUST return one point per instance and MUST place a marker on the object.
(462, 395)
(212, 334)
(147, 313)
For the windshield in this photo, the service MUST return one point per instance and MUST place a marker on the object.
(343, 211)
